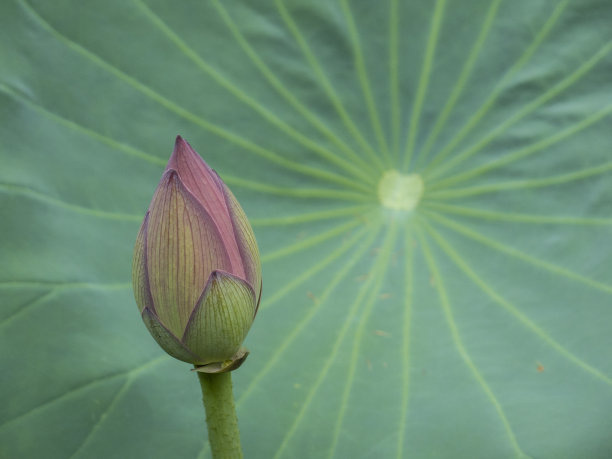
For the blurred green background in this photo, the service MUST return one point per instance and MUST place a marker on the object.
(476, 325)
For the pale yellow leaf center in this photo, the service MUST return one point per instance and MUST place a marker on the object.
(399, 191)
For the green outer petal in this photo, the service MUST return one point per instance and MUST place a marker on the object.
(221, 319)
(140, 277)
(183, 248)
(166, 339)
(247, 244)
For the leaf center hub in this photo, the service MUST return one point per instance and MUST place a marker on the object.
(399, 191)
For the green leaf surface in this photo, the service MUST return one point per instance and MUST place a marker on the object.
(477, 325)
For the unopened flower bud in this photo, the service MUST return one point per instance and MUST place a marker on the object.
(196, 271)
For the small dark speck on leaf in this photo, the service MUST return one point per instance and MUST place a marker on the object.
(382, 333)
(312, 296)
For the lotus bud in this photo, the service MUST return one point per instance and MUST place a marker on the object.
(196, 271)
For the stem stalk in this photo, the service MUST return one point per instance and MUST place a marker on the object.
(221, 419)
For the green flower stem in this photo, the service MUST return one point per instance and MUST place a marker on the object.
(221, 419)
